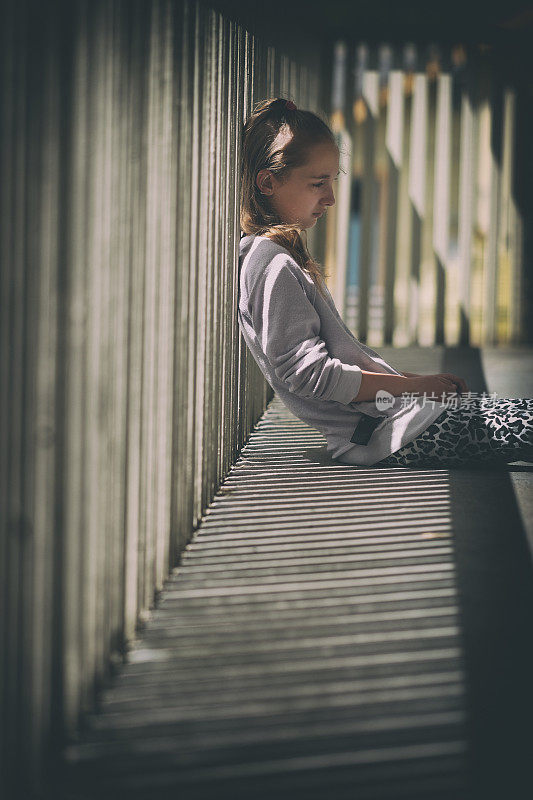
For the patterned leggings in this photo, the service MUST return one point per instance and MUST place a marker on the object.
(493, 432)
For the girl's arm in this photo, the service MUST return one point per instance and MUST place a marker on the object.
(371, 382)
(287, 326)
(438, 385)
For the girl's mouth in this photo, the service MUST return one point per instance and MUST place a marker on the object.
(318, 213)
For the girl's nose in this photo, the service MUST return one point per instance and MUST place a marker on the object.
(330, 198)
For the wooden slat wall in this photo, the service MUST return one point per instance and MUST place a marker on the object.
(127, 390)
(440, 255)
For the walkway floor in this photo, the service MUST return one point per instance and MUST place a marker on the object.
(332, 632)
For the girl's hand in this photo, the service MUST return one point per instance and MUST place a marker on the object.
(437, 385)
(459, 382)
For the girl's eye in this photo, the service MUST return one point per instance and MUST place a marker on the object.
(322, 182)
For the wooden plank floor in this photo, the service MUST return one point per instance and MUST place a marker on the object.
(331, 631)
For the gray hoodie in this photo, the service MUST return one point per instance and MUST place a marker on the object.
(313, 361)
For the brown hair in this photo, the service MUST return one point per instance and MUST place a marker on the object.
(300, 130)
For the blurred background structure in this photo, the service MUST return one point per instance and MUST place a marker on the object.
(127, 391)
(434, 237)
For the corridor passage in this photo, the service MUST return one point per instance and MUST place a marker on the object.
(331, 631)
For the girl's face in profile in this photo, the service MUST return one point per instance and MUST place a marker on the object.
(308, 192)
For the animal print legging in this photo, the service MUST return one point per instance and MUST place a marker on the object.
(479, 431)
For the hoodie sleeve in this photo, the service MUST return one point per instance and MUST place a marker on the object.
(288, 327)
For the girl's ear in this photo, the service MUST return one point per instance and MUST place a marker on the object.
(264, 181)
